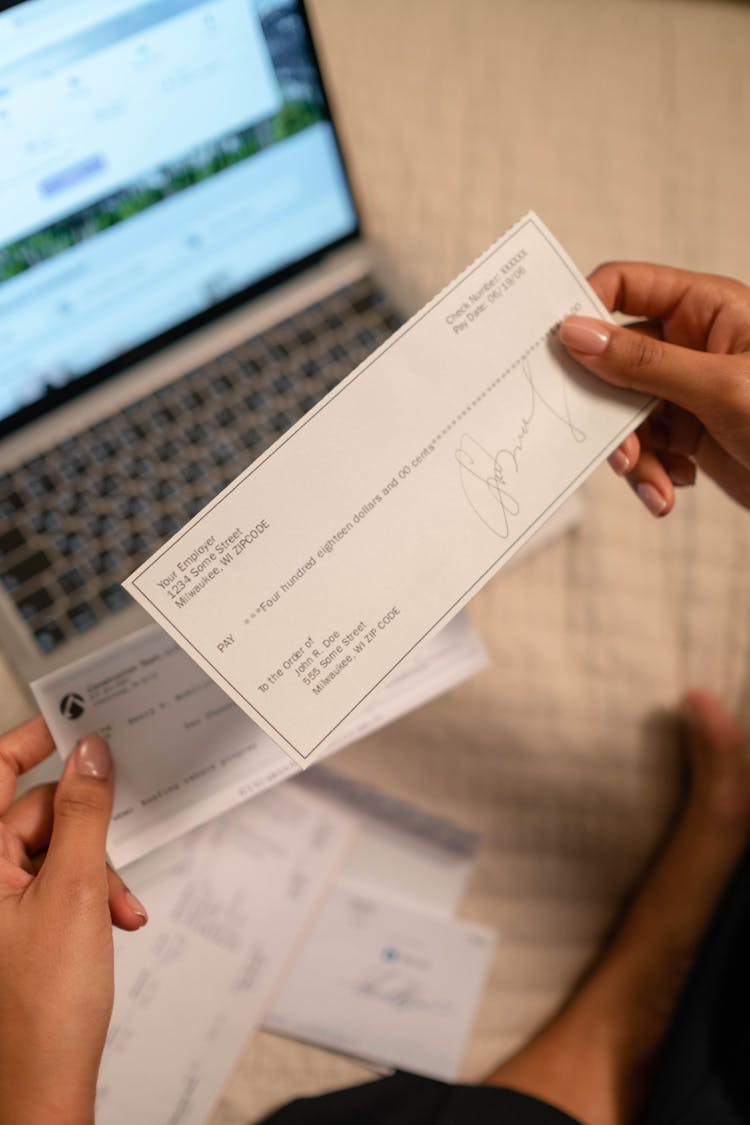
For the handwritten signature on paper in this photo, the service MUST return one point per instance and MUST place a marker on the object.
(396, 990)
(486, 478)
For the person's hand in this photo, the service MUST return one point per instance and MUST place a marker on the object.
(692, 350)
(57, 902)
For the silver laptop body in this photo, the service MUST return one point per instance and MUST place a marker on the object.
(181, 278)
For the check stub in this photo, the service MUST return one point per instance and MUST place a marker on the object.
(373, 520)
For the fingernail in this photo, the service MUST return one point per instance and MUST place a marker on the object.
(619, 461)
(652, 498)
(682, 475)
(583, 334)
(136, 906)
(92, 757)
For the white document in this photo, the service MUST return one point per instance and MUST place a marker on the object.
(183, 751)
(227, 907)
(367, 526)
(400, 852)
(385, 982)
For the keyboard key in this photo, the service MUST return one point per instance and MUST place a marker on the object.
(163, 489)
(137, 543)
(73, 503)
(36, 602)
(167, 525)
(249, 365)
(82, 617)
(364, 303)
(11, 503)
(70, 544)
(311, 369)
(192, 400)
(194, 505)
(45, 520)
(41, 485)
(167, 451)
(282, 384)
(49, 636)
(107, 485)
(133, 434)
(192, 471)
(220, 385)
(132, 506)
(103, 450)
(101, 525)
(72, 580)
(26, 569)
(281, 422)
(72, 468)
(163, 417)
(103, 562)
(114, 598)
(225, 417)
(250, 438)
(196, 433)
(138, 467)
(222, 454)
(368, 339)
(11, 541)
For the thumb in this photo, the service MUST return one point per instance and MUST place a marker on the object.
(632, 359)
(82, 810)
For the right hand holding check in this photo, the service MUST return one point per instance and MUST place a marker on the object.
(692, 349)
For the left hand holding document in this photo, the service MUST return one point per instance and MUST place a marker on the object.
(363, 530)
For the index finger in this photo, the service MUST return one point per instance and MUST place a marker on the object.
(20, 750)
(696, 310)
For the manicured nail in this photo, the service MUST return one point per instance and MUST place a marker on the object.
(619, 461)
(652, 498)
(682, 475)
(92, 757)
(583, 334)
(136, 906)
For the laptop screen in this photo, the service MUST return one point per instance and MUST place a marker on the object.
(159, 158)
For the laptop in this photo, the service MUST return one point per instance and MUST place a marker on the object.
(181, 278)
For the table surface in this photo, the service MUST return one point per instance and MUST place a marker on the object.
(623, 124)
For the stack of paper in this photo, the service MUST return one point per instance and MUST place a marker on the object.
(387, 973)
(227, 905)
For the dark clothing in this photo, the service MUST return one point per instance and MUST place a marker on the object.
(406, 1099)
(703, 1077)
(704, 1073)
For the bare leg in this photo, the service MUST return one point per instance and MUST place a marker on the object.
(595, 1059)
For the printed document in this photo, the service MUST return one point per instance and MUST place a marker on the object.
(228, 904)
(362, 531)
(387, 983)
(183, 751)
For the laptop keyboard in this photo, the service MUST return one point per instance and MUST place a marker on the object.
(80, 518)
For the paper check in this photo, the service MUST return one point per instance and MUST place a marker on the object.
(368, 525)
